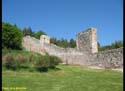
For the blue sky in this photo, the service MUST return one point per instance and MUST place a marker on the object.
(66, 18)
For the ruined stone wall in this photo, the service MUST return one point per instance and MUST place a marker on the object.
(86, 53)
(68, 55)
(87, 41)
(93, 40)
(44, 39)
(108, 59)
(33, 44)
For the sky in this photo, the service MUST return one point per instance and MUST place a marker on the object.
(66, 18)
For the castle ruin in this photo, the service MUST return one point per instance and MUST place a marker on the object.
(87, 41)
(85, 54)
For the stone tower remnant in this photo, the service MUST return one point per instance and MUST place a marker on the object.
(44, 39)
(87, 41)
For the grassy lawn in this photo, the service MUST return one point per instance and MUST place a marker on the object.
(65, 78)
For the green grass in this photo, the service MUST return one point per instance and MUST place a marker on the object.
(65, 78)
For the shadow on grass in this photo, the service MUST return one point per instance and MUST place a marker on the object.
(31, 69)
(44, 69)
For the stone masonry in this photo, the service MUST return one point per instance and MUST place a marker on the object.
(44, 39)
(87, 41)
(85, 54)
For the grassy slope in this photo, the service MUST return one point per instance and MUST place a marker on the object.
(67, 78)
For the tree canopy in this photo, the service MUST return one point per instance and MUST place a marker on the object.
(11, 36)
(63, 42)
(72, 43)
(27, 31)
(114, 45)
(38, 34)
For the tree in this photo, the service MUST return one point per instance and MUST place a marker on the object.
(65, 43)
(62, 43)
(72, 43)
(15, 25)
(98, 44)
(11, 36)
(27, 31)
(38, 34)
(116, 44)
(53, 40)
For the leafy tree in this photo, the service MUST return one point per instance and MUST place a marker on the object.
(38, 34)
(65, 43)
(15, 25)
(62, 43)
(116, 44)
(11, 36)
(53, 40)
(72, 43)
(98, 44)
(27, 31)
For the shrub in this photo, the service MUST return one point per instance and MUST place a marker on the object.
(8, 61)
(14, 63)
(31, 69)
(32, 58)
(23, 61)
(5, 51)
(42, 63)
(46, 62)
(21, 58)
(16, 60)
(54, 61)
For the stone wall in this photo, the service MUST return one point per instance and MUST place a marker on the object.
(44, 39)
(108, 59)
(87, 41)
(68, 55)
(33, 44)
(86, 53)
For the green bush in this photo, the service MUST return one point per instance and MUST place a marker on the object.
(42, 64)
(4, 51)
(24, 62)
(16, 60)
(54, 61)
(8, 61)
(46, 62)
